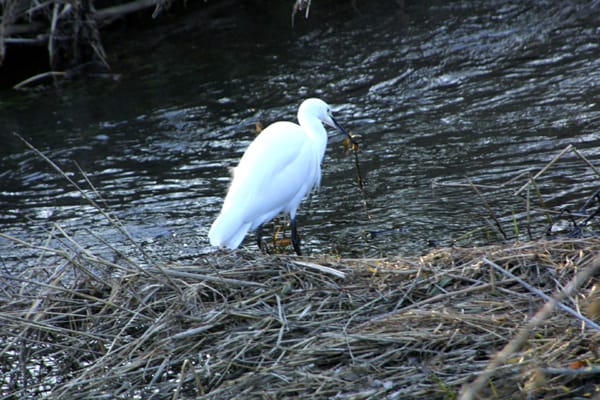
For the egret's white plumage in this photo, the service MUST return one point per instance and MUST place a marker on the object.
(279, 169)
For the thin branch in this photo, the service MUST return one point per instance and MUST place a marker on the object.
(543, 295)
(554, 160)
(470, 392)
(87, 197)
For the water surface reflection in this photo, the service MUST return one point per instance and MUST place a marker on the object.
(440, 92)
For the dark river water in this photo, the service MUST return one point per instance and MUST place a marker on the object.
(442, 93)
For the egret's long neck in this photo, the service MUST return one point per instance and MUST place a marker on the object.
(316, 132)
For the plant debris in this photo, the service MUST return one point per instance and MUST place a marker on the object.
(230, 325)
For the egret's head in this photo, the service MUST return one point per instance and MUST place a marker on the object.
(321, 110)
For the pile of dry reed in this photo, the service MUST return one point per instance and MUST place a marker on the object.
(242, 325)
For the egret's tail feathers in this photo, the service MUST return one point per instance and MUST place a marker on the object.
(228, 231)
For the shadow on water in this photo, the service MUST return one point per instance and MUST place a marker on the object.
(440, 91)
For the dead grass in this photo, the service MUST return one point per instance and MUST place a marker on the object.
(515, 320)
(243, 325)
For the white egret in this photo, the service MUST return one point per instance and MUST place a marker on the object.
(277, 171)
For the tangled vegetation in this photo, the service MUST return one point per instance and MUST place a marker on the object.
(245, 325)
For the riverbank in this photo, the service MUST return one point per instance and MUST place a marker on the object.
(54, 41)
(244, 325)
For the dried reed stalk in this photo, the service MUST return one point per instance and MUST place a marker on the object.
(242, 325)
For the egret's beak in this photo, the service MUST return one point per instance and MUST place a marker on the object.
(339, 128)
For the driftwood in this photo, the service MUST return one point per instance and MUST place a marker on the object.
(70, 30)
(70, 27)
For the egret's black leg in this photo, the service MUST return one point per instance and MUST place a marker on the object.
(259, 240)
(295, 237)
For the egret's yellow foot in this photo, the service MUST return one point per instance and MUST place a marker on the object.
(280, 242)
